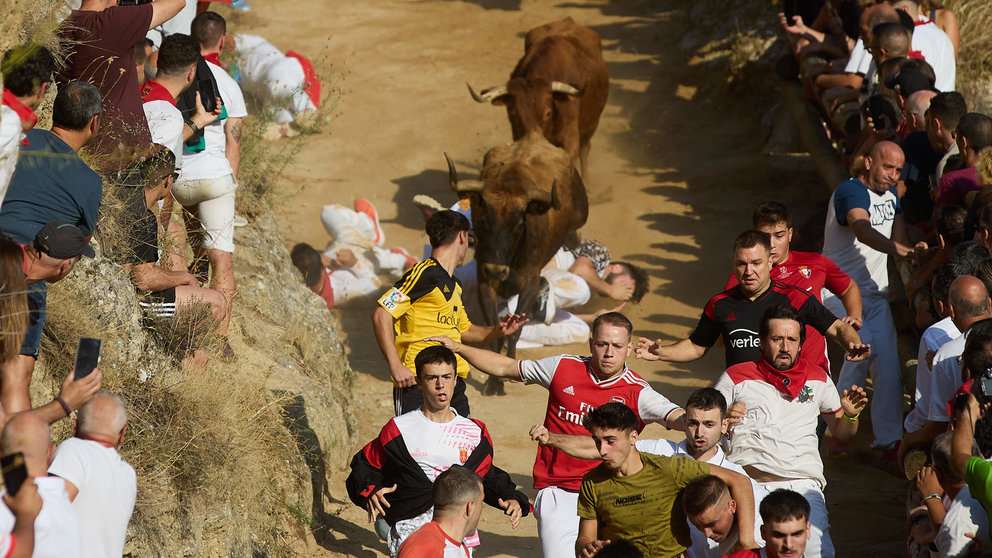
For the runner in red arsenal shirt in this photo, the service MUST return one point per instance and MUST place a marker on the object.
(575, 386)
(734, 314)
(809, 271)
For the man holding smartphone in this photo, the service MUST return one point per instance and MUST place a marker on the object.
(56, 529)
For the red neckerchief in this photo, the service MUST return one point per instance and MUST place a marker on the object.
(155, 91)
(920, 22)
(24, 112)
(790, 382)
(326, 291)
(964, 388)
(311, 83)
(916, 54)
(901, 130)
(213, 58)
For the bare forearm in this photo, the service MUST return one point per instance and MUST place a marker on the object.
(961, 444)
(23, 538)
(232, 147)
(382, 327)
(151, 278)
(875, 240)
(489, 362)
(683, 351)
(843, 429)
(851, 299)
(580, 447)
(843, 334)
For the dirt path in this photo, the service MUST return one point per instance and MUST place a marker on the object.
(673, 176)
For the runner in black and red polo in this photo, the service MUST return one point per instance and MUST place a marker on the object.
(807, 271)
(734, 314)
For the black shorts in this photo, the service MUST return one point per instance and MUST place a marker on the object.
(159, 304)
(409, 398)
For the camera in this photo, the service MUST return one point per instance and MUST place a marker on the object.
(982, 387)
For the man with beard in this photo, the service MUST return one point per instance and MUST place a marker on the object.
(864, 227)
(776, 441)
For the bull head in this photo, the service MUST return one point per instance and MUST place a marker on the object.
(538, 200)
(493, 94)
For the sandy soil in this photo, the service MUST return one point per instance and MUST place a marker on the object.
(674, 172)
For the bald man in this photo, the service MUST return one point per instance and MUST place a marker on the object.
(101, 485)
(970, 305)
(968, 302)
(915, 110)
(56, 529)
(864, 227)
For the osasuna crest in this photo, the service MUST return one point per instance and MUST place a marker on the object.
(462, 455)
(805, 270)
(806, 394)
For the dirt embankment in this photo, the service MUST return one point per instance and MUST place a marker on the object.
(674, 173)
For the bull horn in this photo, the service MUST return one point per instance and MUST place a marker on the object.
(562, 87)
(487, 95)
(463, 187)
(543, 196)
(555, 202)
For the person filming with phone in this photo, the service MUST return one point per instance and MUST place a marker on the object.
(56, 529)
(100, 484)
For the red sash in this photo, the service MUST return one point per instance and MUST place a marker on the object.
(311, 83)
(155, 91)
(24, 112)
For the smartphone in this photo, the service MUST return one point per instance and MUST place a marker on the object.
(14, 472)
(790, 9)
(208, 94)
(87, 357)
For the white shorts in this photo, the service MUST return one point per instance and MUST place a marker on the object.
(557, 521)
(212, 201)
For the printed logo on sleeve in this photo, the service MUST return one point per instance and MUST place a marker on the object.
(392, 299)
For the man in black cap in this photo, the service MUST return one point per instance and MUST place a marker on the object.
(48, 258)
(54, 251)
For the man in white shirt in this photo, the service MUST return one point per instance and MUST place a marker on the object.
(919, 430)
(56, 529)
(864, 227)
(27, 73)
(285, 80)
(970, 305)
(208, 178)
(783, 396)
(176, 72)
(101, 485)
(935, 46)
(965, 528)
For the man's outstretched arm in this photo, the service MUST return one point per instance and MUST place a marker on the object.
(682, 351)
(489, 362)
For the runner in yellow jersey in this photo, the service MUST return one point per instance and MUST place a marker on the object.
(425, 302)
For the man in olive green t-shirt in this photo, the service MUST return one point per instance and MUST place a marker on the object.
(634, 496)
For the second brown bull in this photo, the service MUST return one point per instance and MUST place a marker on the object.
(559, 87)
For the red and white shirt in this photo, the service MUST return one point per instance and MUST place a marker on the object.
(436, 446)
(430, 541)
(574, 389)
(809, 271)
(778, 434)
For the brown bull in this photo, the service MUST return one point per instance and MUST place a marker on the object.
(559, 87)
(528, 199)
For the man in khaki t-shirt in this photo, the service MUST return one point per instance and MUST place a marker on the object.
(633, 496)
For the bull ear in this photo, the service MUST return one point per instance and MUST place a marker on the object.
(555, 202)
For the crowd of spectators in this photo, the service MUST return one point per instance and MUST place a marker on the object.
(131, 98)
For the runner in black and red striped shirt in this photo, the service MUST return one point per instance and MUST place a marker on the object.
(734, 314)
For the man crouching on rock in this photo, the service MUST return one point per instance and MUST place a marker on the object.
(394, 473)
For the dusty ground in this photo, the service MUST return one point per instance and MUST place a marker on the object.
(674, 173)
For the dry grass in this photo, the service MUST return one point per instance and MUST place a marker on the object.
(216, 462)
(974, 70)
